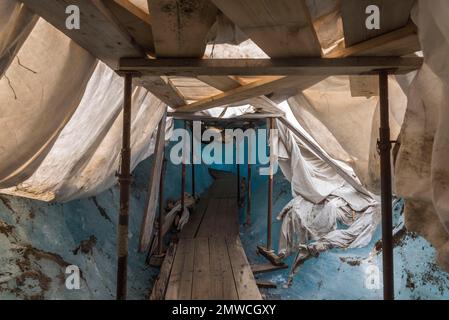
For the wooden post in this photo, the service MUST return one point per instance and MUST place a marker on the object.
(160, 247)
(386, 190)
(124, 178)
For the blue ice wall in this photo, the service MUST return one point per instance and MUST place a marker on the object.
(38, 240)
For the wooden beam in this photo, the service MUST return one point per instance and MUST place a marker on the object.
(397, 41)
(160, 285)
(136, 22)
(393, 15)
(99, 33)
(246, 117)
(104, 37)
(266, 267)
(281, 28)
(180, 27)
(400, 42)
(161, 89)
(146, 231)
(249, 91)
(223, 83)
(135, 10)
(270, 67)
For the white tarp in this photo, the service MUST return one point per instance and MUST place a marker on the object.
(347, 127)
(16, 23)
(422, 170)
(38, 98)
(60, 114)
(321, 200)
(86, 155)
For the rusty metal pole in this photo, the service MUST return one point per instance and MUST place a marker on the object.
(183, 179)
(248, 189)
(386, 189)
(238, 171)
(193, 162)
(270, 190)
(160, 247)
(124, 178)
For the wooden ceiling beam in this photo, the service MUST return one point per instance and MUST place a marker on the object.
(281, 28)
(180, 28)
(104, 37)
(398, 42)
(252, 90)
(269, 67)
(393, 15)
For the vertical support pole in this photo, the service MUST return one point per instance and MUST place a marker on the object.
(270, 188)
(183, 177)
(386, 193)
(124, 178)
(248, 188)
(238, 170)
(160, 247)
(192, 162)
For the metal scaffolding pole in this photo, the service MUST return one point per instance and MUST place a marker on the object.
(192, 162)
(386, 190)
(124, 178)
(270, 190)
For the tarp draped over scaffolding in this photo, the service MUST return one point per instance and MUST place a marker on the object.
(61, 126)
(87, 151)
(60, 114)
(422, 170)
(39, 93)
(327, 110)
(322, 200)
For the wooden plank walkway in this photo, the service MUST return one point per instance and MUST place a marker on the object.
(210, 262)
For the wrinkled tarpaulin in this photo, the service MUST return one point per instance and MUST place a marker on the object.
(322, 200)
(422, 170)
(28, 133)
(60, 113)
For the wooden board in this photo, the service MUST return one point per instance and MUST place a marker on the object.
(266, 267)
(99, 33)
(270, 67)
(104, 37)
(136, 22)
(161, 89)
(398, 43)
(243, 276)
(193, 89)
(281, 28)
(207, 265)
(146, 231)
(181, 278)
(364, 86)
(201, 271)
(393, 15)
(160, 285)
(180, 27)
(249, 91)
(222, 279)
